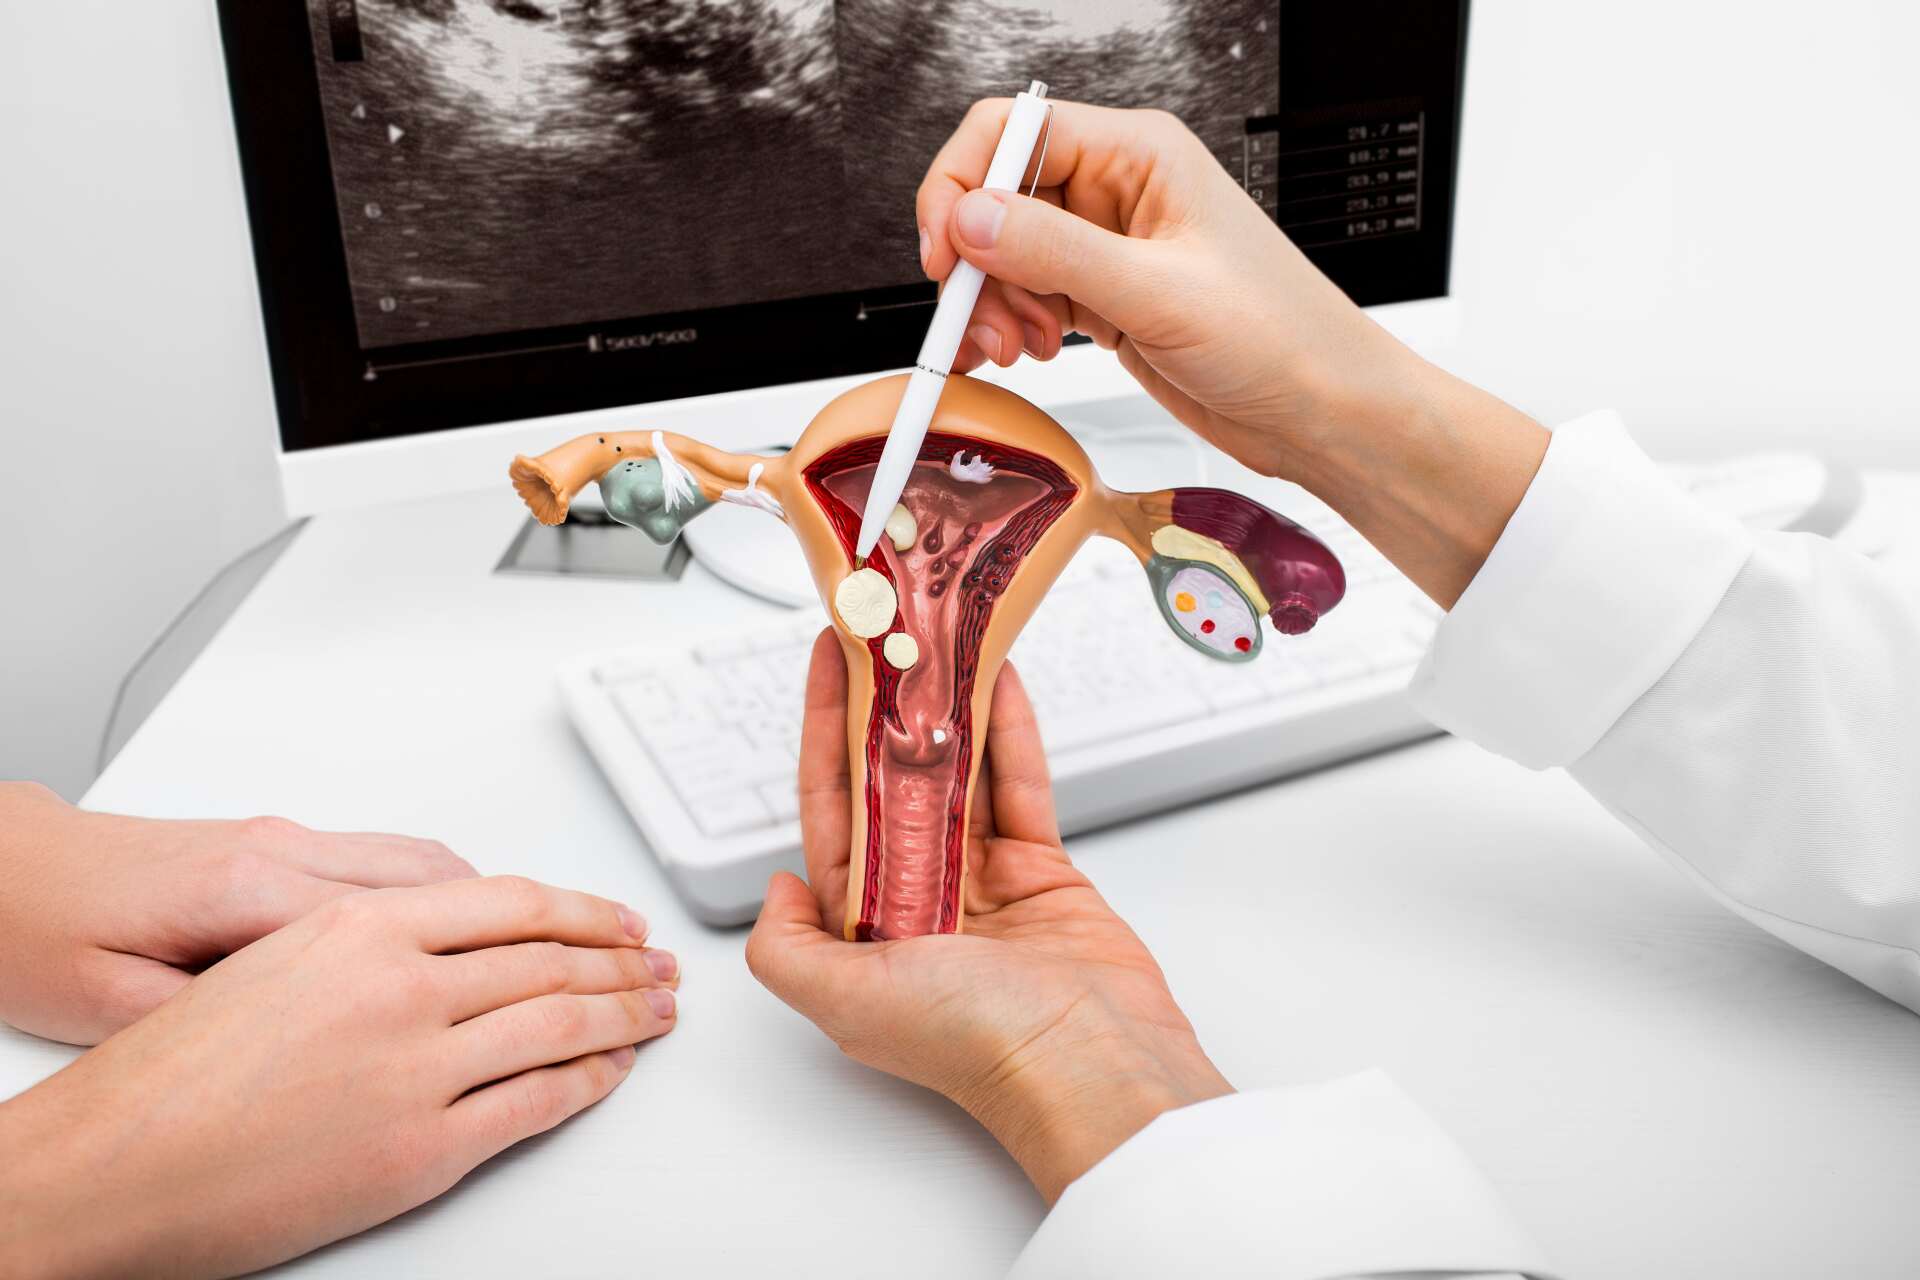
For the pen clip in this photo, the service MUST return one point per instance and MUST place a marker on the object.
(1044, 138)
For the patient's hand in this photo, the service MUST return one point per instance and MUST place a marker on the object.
(103, 917)
(1047, 1019)
(338, 1072)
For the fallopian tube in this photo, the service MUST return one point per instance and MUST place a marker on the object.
(1000, 500)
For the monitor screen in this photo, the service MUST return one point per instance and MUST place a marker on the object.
(475, 211)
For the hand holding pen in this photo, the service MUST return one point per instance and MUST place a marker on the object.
(1137, 237)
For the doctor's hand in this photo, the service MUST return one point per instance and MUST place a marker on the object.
(1140, 239)
(103, 917)
(331, 1075)
(1047, 1019)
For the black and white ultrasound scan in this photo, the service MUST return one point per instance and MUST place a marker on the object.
(511, 165)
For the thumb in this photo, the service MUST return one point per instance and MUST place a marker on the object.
(788, 944)
(1045, 249)
(789, 906)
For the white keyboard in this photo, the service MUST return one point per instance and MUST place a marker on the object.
(700, 738)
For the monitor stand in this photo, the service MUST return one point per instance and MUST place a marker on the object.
(592, 544)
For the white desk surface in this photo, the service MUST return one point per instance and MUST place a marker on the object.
(1662, 1090)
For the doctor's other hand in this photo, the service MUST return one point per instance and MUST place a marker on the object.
(103, 917)
(332, 1075)
(1047, 1020)
(1140, 239)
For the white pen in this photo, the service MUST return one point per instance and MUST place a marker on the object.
(929, 377)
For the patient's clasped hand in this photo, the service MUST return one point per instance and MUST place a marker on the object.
(999, 501)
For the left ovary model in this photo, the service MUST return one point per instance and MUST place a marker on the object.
(999, 501)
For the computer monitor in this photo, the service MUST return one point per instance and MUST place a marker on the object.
(481, 225)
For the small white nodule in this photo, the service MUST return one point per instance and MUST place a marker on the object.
(901, 649)
(901, 528)
(939, 736)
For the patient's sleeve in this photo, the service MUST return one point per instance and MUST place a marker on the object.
(1345, 1179)
(1749, 704)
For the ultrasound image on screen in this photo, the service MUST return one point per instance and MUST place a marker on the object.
(509, 165)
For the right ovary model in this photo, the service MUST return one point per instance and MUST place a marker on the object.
(1000, 500)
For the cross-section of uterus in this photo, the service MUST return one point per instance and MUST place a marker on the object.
(999, 500)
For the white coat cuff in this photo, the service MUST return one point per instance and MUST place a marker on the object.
(1605, 573)
(1345, 1178)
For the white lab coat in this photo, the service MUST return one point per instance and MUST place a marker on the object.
(1749, 704)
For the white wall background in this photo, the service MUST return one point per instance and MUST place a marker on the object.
(135, 419)
(1700, 213)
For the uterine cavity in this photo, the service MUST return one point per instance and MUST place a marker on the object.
(972, 538)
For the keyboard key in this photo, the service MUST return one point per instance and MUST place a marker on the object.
(1121, 717)
(724, 650)
(1224, 687)
(768, 731)
(727, 813)
(671, 737)
(1276, 675)
(783, 802)
(622, 670)
(696, 751)
(723, 764)
(646, 690)
(661, 732)
(737, 701)
(1397, 652)
(1348, 662)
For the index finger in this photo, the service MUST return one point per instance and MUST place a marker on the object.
(826, 786)
(1022, 789)
(493, 911)
(376, 860)
(1074, 133)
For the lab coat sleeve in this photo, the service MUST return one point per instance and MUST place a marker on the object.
(1748, 704)
(1343, 1179)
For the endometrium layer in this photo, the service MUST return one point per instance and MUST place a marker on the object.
(971, 538)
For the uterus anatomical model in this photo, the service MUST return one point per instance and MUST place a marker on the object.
(1001, 498)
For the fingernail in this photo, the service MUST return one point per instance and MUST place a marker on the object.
(663, 964)
(622, 1057)
(661, 1001)
(979, 218)
(1034, 338)
(633, 922)
(987, 338)
(926, 248)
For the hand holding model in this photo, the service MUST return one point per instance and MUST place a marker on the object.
(336, 1071)
(1138, 238)
(1047, 1020)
